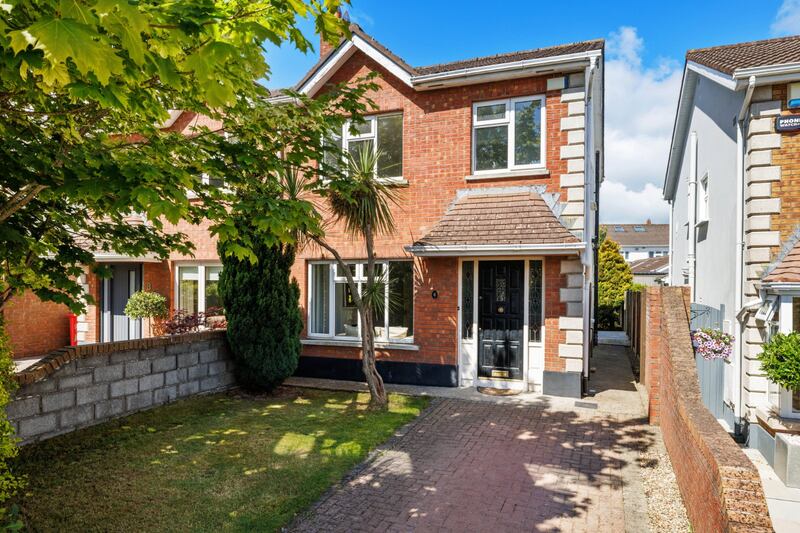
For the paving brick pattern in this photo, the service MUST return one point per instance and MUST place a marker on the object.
(480, 466)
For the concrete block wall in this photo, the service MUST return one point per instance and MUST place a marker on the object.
(85, 385)
(571, 325)
(573, 153)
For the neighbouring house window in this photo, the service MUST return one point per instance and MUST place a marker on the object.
(508, 134)
(332, 308)
(639, 229)
(467, 301)
(535, 314)
(198, 289)
(702, 199)
(381, 132)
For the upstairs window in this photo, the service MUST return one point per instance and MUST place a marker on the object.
(508, 134)
(639, 229)
(702, 200)
(383, 133)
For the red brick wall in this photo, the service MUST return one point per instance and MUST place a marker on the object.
(720, 487)
(788, 188)
(653, 349)
(437, 133)
(35, 327)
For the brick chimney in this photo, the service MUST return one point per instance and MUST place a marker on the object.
(325, 46)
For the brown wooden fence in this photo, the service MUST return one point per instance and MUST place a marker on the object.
(634, 319)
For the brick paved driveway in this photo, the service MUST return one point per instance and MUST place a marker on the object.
(480, 466)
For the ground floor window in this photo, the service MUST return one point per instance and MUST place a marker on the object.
(781, 314)
(198, 289)
(332, 311)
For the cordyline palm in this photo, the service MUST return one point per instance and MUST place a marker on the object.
(362, 202)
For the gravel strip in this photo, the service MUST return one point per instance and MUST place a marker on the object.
(665, 510)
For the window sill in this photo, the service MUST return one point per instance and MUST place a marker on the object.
(397, 182)
(701, 223)
(357, 344)
(509, 174)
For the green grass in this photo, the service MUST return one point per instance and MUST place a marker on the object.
(225, 462)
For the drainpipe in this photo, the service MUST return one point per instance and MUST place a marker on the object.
(692, 210)
(739, 288)
(589, 254)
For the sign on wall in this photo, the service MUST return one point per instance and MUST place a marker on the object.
(793, 96)
(787, 123)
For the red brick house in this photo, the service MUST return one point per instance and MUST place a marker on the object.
(492, 265)
(492, 262)
(37, 327)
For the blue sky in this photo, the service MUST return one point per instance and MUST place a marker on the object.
(646, 42)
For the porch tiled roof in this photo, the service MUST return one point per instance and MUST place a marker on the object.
(787, 269)
(479, 218)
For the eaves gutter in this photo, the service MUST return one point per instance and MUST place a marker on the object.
(565, 62)
(455, 250)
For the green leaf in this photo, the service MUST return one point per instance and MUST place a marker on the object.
(63, 39)
(75, 9)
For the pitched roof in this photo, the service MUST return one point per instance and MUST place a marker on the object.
(648, 234)
(498, 59)
(537, 53)
(787, 268)
(478, 217)
(728, 58)
(650, 265)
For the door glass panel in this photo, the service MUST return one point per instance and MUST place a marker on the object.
(188, 288)
(320, 299)
(467, 309)
(491, 148)
(527, 132)
(213, 301)
(401, 300)
(535, 302)
(500, 289)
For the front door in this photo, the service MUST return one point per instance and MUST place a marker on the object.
(126, 278)
(500, 319)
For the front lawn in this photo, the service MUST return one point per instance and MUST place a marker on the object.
(226, 461)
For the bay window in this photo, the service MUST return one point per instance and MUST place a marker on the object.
(198, 289)
(508, 134)
(332, 311)
(380, 132)
(781, 314)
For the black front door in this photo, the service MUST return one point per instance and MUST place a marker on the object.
(500, 319)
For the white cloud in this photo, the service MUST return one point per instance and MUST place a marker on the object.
(640, 112)
(787, 21)
(620, 204)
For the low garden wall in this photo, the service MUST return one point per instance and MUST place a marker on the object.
(721, 488)
(84, 385)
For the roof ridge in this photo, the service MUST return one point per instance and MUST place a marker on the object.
(746, 43)
(504, 54)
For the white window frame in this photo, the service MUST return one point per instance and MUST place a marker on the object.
(785, 302)
(509, 120)
(201, 283)
(347, 137)
(360, 278)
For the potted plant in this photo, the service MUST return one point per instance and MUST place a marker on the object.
(780, 361)
(150, 306)
(712, 344)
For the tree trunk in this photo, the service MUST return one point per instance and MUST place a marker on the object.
(377, 392)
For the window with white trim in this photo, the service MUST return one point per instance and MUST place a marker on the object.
(702, 200)
(378, 132)
(332, 311)
(508, 134)
(198, 289)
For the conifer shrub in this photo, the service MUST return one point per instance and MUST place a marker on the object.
(261, 304)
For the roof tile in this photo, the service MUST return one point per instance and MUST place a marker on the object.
(499, 218)
(731, 57)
